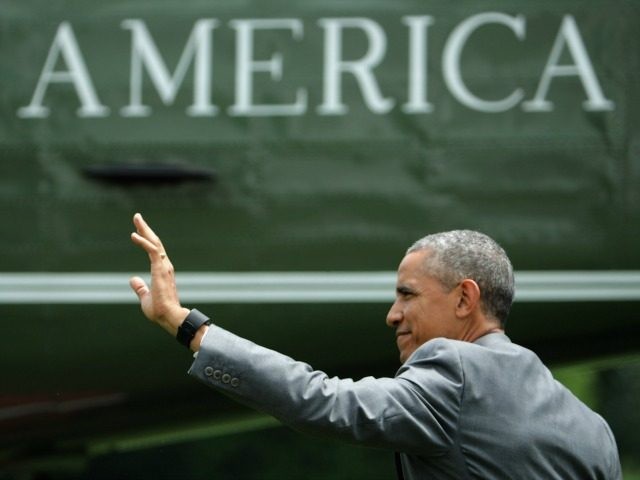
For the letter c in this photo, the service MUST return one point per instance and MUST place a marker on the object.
(451, 61)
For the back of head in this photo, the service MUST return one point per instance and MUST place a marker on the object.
(461, 254)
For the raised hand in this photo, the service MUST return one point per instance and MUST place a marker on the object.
(159, 302)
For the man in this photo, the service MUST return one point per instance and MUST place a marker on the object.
(466, 402)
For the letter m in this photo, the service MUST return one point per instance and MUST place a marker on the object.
(145, 55)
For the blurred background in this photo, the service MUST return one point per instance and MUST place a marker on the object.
(288, 152)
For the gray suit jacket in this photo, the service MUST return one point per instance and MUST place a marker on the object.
(455, 410)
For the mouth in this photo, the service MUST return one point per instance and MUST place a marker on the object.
(400, 333)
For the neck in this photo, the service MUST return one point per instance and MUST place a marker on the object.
(479, 329)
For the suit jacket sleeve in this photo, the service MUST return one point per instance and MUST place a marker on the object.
(415, 412)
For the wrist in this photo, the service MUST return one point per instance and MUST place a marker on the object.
(197, 340)
(174, 319)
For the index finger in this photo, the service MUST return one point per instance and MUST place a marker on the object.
(146, 238)
(144, 230)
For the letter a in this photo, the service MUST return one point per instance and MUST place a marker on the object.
(569, 36)
(65, 44)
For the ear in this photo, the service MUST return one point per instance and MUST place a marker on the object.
(469, 299)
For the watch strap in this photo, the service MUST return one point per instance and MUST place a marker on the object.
(187, 330)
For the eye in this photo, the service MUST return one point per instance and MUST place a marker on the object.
(404, 292)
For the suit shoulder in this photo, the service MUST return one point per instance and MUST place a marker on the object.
(441, 345)
(440, 354)
(435, 347)
(497, 346)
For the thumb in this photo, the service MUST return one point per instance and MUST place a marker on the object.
(139, 286)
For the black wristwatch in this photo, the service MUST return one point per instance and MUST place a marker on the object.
(190, 326)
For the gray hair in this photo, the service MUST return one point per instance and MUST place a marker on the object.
(461, 254)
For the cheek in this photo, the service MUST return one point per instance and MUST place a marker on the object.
(422, 320)
(427, 324)
(419, 334)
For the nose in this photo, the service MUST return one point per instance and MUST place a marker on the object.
(394, 317)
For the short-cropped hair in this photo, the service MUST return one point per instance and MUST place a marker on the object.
(459, 254)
